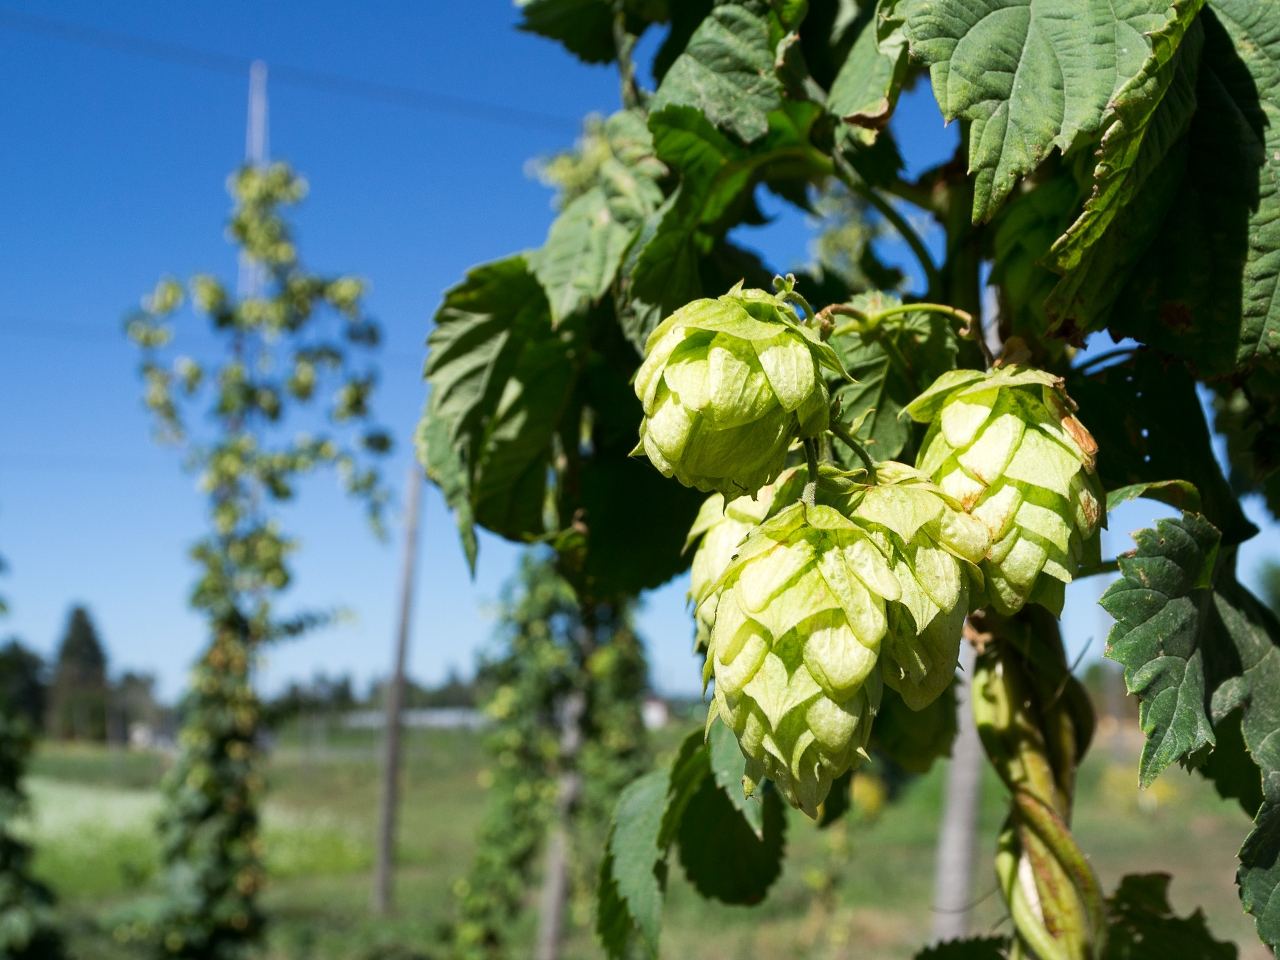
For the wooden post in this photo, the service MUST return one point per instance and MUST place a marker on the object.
(382, 875)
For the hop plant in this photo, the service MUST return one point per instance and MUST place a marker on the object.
(727, 385)
(721, 528)
(934, 548)
(1006, 445)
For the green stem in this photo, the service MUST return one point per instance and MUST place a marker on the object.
(857, 448)
(871, 319)
(810, 494)
(850, 178)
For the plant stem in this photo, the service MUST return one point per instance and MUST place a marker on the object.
(810, 494)
(873, 318)
(850, 178)
(857, 448)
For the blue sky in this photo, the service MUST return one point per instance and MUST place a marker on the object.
(113, 173)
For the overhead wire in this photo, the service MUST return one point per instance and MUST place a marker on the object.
(232, 64)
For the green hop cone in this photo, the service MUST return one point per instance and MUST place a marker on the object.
(727, 385)
(934, 549)
(1006, 445)
(794, 647)
(721, 528)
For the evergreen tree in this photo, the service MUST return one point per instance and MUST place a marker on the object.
(78, 697)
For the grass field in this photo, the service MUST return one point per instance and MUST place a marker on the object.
(858, 892)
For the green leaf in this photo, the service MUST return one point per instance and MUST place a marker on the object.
(1160, 634)
(587, 242)
(509, 479)
(480, 331)
(1204, 655)
(890, 364)
(1025, 229)
(501, 380)
(977, 948)
(866, 89)
(728, 766)
(1205, 288)
(663, 271)
(1150, 427)
(1146, 116)
(577, 264)
(1030, 76)
(1176, 493)
(445, 469)
(726, 73)
(1141, 925)
(633, 874)
(632, 857)
(585, 27)
(721, 854)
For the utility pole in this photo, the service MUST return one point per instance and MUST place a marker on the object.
(255, 154)
(382, 876)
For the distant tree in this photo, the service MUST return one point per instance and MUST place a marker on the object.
(133, 701)
(23, 687)
(78, 695)
(324, 694)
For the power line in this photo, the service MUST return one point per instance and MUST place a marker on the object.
(446, 104)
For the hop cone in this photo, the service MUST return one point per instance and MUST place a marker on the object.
(721, 528)
(727, 385)
(934, 548)
(794, 647)
(1007, 447)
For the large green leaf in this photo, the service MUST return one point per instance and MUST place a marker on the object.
(1205, 288)
(480, 331)
(1204, 655)
(1159, 636)
(721, 854)
(510, 473)
(501, 380)
(725, 854)
(1141, 925)
(1144, 119)
(726, 73)
(633, 874)
(866, 89)
(1030, 75)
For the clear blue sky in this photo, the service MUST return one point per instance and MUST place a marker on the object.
(112, 173)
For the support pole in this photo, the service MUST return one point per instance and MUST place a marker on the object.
(382, 876)
(957, 839)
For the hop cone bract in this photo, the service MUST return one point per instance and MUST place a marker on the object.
(1006, 445)
(933, 547)
(727, 385)
(721, 528)
(794, 647)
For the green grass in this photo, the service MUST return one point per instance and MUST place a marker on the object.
(861, 891)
